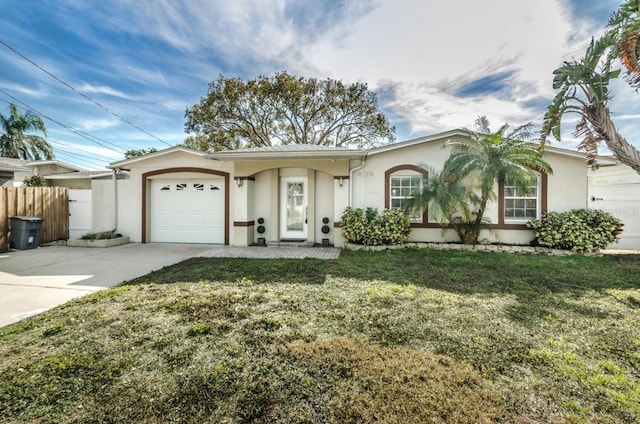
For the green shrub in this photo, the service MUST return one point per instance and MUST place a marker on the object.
(370, 228)
(34, 181)
(579, 230)
(104, 235)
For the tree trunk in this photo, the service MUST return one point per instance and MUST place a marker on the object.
(600, 118)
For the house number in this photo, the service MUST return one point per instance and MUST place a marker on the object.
(365, 174)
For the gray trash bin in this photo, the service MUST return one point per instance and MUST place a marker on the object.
(25, 232)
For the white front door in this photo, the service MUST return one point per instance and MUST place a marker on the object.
(293, 208)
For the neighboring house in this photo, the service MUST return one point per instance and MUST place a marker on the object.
(8, 169)
(187, 196)
(615, 188)
(49, 169)
(57, 174)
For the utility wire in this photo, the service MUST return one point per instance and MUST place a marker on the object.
(97, 160)
(89, 137)
(81, 93)
(75, 148)
(84, 164)
(92, 161)
(86, 158)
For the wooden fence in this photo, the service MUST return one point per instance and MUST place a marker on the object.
(48, 203)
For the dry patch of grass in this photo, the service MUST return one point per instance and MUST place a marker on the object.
(411, 336)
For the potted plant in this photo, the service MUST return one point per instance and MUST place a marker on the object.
(325, 230)
(261, 229)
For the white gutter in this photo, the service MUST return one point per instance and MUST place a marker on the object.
(351, 173)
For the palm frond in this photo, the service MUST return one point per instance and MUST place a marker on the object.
(14, 143)
(482, 124)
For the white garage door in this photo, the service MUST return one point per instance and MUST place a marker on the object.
(187, 211)
(622, 201)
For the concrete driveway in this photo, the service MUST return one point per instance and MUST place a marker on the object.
(32, 281)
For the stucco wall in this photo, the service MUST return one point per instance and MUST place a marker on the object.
(103, 204)
(324, 205)
(262, 195)
(568, 184)
(369, 181)
(329, 166)
(80, 183)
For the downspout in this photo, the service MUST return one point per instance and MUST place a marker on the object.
(351, 173)
(115, 199)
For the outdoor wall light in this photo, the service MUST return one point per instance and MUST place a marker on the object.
(239, 182)
(341, 182)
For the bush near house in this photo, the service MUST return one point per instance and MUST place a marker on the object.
(579, 230)
(34, 181)
(370, 228)
(104, 235)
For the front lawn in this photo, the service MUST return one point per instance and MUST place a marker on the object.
(391, 337)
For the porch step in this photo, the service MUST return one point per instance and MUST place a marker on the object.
(289, 243)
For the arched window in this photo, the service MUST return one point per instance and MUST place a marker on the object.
(401, 182)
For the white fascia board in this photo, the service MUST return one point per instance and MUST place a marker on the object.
(159, 153)
(54, 162)
(416, 141)
(241, 156)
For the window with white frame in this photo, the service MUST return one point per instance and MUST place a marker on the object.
(401, 189)
(521, 206)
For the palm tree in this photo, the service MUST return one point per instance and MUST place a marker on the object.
(14, 143)
(446, 199)
(584, 88)
(486, 158)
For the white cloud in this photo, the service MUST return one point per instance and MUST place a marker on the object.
(430, 110)
(102, 89)
(39, 91)
(431, 48)
(95, 124)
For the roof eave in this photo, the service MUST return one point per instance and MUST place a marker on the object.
(239, 155)
(9, 169)
(159, 153)
(54, 162)
(416, 141)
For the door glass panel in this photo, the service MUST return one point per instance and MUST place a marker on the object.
(295, 206)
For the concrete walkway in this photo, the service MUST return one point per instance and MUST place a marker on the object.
(32, 281)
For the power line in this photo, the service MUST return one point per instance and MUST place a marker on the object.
(98, 160)
(86, 136)
(81, 93)
(71, 158)
(75, 148)
(92, 161)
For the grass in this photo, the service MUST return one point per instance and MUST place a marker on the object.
(390, 337)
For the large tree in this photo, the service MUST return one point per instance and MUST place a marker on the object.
(284, 109)
(479, 162)
(15, 143)
(583, 87)
(139, 152)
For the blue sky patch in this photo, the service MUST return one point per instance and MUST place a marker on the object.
(491, 84)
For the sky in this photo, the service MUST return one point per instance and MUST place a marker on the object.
(114, 75)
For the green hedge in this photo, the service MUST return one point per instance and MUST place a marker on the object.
(579, 230)
(370, 228)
